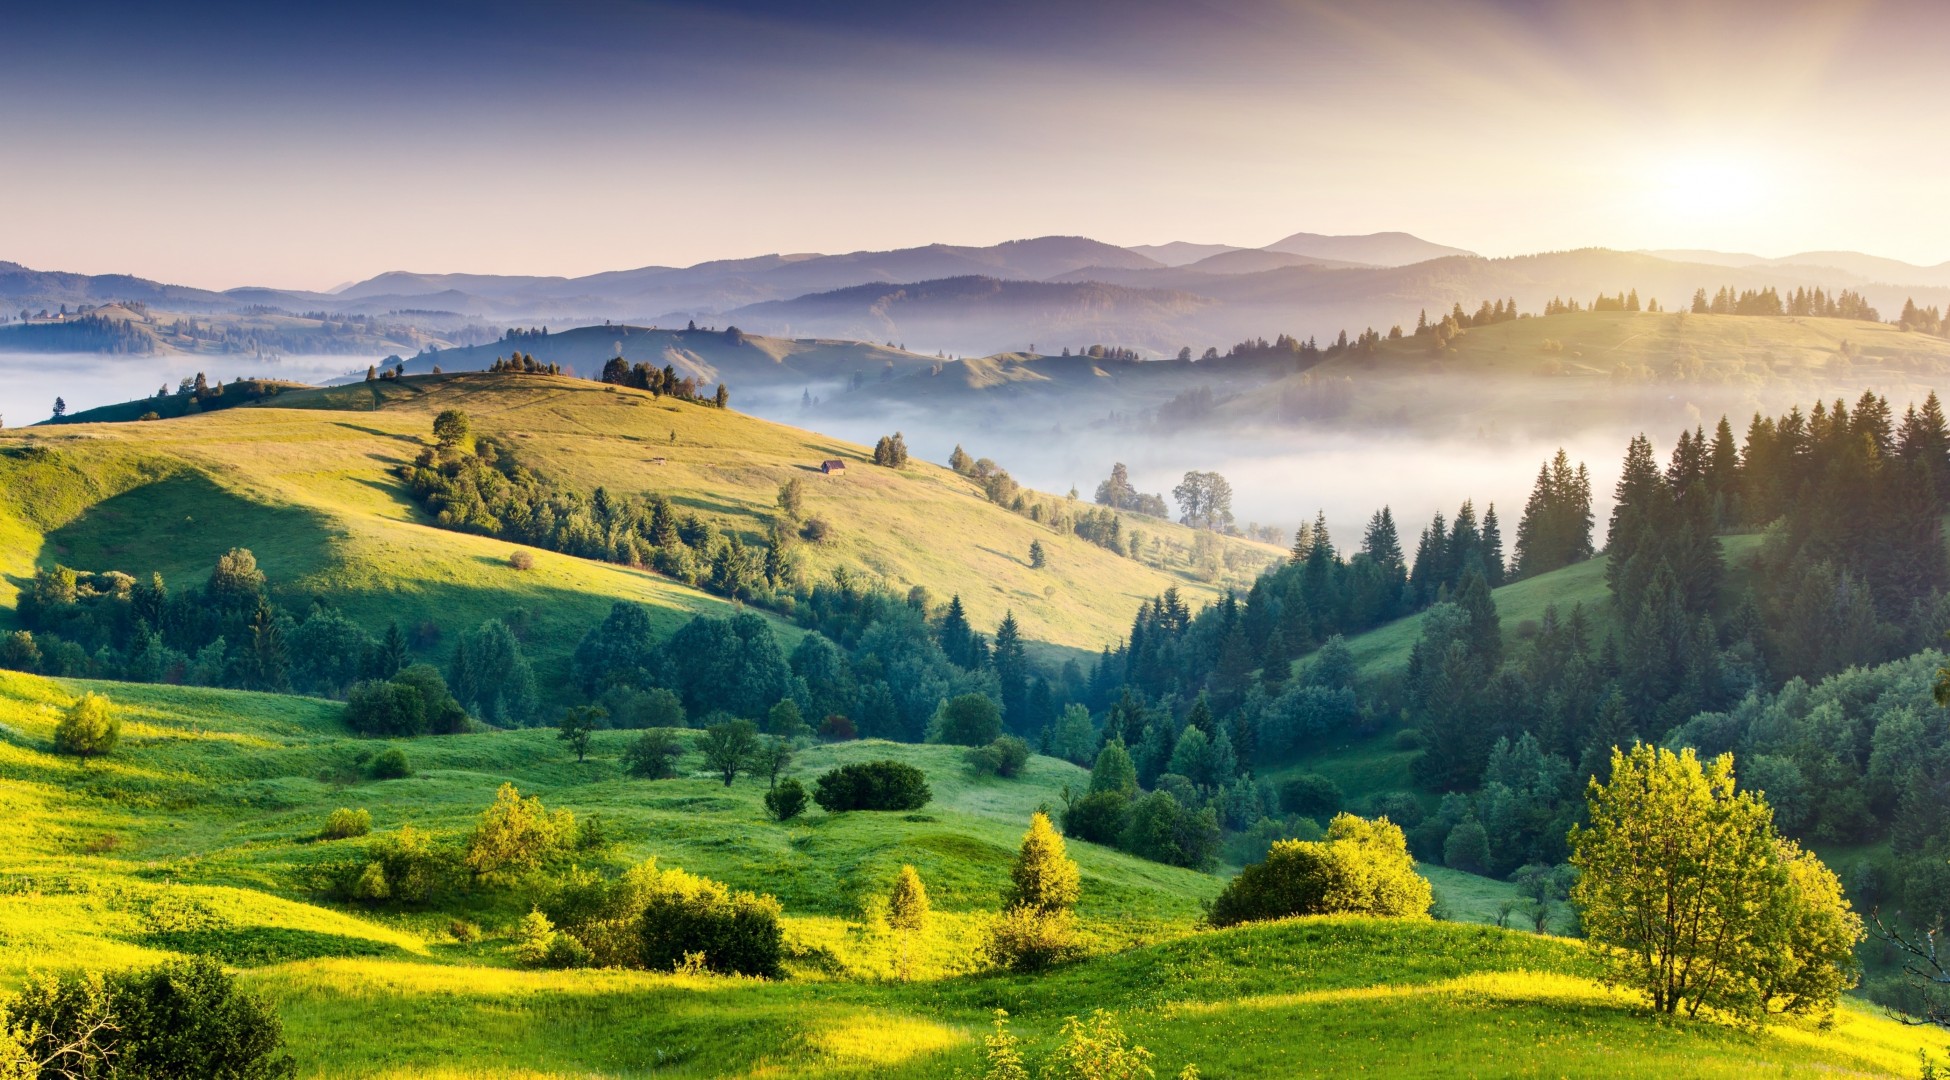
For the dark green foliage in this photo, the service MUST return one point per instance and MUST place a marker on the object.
(787, 800)
(390, 764)
(1162, 829)
(1100, 817)
(653, 756)
(413, 702)
(737, 933)
(1005, 757)
(1556, 527)
(1311, 795)
(578, 725)
(872, 785)
(490, 492)
(968, 720)
(729, 747)
(183, 1018)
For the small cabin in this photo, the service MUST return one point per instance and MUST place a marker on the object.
(833, 467)
(659, 461)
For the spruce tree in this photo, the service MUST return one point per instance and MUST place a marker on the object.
(1043, 880)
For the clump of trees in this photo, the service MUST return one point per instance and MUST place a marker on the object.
(181, 1018)
(1361, 867)
(415, 701)
(872, 785)
(1037, 927)
(1694, 900)
(891, 451)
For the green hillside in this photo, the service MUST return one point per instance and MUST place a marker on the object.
(307, 481)
(197, 833)
(1558, 375)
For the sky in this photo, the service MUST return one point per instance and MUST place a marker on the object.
(304, 146)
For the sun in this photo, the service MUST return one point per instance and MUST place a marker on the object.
(1708, 186)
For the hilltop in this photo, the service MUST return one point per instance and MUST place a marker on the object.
(249, 778)
(308, 480)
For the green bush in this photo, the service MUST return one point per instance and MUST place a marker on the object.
(1004, 757)
(88, 728)
(184, 1018)
(1362, 868)
(872, 785)
(787, 801)
(968, 720)
(407, 867)
(390, 764)
(414, 702)
(515, 835)
(653, 755)
(344, 823)
(1024, 939)
(1099, 817)
(1311, 795)
(683, 914)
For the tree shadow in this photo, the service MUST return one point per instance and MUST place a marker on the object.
(258, 946)
(179, 525)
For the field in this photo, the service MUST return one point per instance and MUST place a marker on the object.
(307, 483)
(198, 833)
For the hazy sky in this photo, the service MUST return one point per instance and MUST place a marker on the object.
(220, 145)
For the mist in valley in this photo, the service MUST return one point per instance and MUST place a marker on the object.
(29, 382)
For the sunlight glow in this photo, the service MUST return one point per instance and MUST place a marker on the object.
(1709, 187)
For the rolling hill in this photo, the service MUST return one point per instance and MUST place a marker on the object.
(99, 876)
(306, 480)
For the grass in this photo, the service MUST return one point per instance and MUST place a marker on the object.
(306, 482)
(214, 798)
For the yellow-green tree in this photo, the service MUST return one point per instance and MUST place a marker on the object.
(88, 728)
(1044, 879)
(1692, 898)
(908, 913)
(516, 834)
(1361, 867)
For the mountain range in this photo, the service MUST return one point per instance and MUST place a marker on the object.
(1052, 290)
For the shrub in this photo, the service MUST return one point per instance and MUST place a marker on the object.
(88, 728)
(1099, 817)
(515, 835)
(390, 764)
(345, 823)
(20, 652)
(1044, 878)
(786, 801)
(1004, 757)
(837, 728)
(534, 936)
(1164, 829)
(1022, 939)
(908, 912)
(184, 1018)
(653, 756)
(414, 702)
(521, 559)
(872, 785)
(1098, 1049)
(406, 867)
(1467, 847)
(683, 914)
(967, 720)
(1311, 795)
(1362, 868)
(817, 530)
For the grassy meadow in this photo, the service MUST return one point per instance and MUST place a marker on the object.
(307, 484)
(198, 833)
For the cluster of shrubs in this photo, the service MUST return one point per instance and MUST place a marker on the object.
(872, 785)
(185, 1018)
(1361, 867)
(655, 919)
(414, 701)
(1166, 825)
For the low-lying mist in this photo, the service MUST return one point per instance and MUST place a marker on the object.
(29, 382)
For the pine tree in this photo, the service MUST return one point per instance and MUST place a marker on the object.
(1492, 548)
(1011, 665)
(908, 913)
(1043, 880)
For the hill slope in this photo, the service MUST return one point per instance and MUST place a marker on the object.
(197, 833)
(307, 481)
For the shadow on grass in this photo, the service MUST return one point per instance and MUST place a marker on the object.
(257, 946)
(179, 525)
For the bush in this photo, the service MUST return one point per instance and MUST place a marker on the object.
(872, 785)
(1026, 940)
(1467, 847)
(88, 728)
(343, 824)
(1362, 868)
(1311, 795)
(516, 835)
(683, 914)
(1004, 757)
(414, 702)
(184, 1018)
(521, 559)
(653, 756)
(968, 720)
(1099, 817)
(787, 801)
(391, 765)
(837, 728)
(405, 867)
